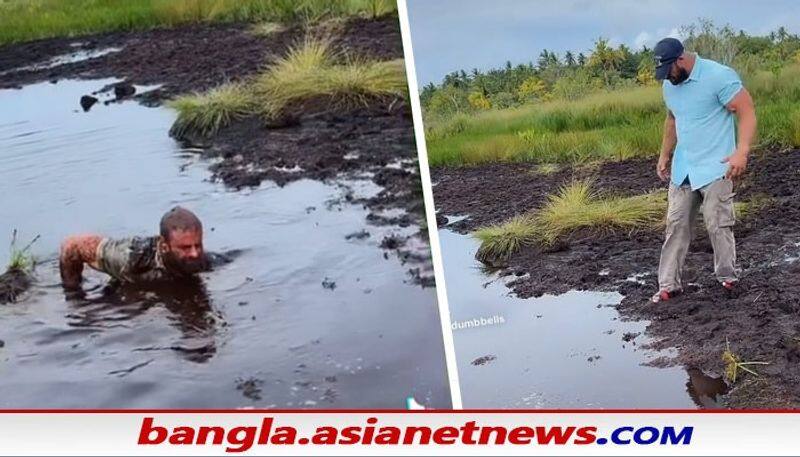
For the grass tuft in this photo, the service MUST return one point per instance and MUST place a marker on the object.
(577, 206)
(548, 168)
(309, 70)
(205, 113)
(574, 207)
(500, 241)
(264, 29)
(21, 258)
(733, 364)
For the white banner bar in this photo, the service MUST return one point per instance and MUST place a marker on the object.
(384, 433)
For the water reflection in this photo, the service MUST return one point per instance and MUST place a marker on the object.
(187, 303)
(565, 351)
(705, 390)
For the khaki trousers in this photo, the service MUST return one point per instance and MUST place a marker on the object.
(716, 201)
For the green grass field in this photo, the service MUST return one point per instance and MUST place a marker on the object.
(24, 20)
(614, 125)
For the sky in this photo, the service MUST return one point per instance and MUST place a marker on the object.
(450, 35)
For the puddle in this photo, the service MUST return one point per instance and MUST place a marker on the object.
(64, 59)
(262, 331)
(400, 164)
(566, 351)
(638, 278)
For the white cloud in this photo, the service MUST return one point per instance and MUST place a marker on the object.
(645, 38)
(642, 39)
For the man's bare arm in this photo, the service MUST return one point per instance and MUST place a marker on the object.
(742, 106)
(668, 142)
(77, 250)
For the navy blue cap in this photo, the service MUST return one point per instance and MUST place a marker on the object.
(666, 51)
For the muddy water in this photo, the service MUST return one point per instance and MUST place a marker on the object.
(261, 331)
(566, 351)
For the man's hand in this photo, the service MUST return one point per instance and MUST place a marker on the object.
(662, 168)
(742, 106)
(737, 164)
(77, 250)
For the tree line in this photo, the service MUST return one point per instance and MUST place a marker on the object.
(605, 67)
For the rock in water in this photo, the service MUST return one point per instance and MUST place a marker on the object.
(87, 101)
(123, 90)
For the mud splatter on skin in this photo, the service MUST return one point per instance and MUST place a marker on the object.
(761, 320)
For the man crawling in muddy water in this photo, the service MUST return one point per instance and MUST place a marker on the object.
(177, 253)
(702, 97)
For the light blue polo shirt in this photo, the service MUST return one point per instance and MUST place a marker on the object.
(706, 130)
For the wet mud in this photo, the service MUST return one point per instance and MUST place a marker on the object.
(13, 283)
(183, 59)
(760, 320)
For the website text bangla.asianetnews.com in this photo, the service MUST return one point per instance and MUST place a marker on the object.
(268, 432)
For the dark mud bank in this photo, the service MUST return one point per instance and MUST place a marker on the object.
(183, 59)
(761, 320)
(13, 283)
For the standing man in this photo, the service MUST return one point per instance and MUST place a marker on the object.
(702, 97)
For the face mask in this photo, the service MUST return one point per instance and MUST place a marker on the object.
(683, 75)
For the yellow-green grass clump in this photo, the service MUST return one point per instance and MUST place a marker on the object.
(577, 206)
(310, 70)
(265, 29)
(502, 240)
(548, 168)
(205, 113)
(734, 363)
(21, 259)
(574, 207)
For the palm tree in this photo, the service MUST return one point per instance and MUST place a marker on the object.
(569, 58)
(604, 57)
